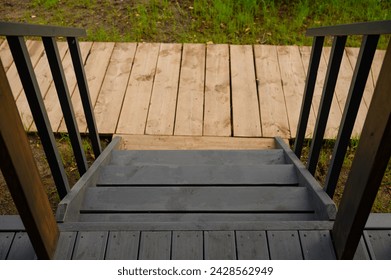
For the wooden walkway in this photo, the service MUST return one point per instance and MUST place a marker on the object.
(191, 89)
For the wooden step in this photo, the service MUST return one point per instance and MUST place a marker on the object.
(199, 157)
(278, 174)
(196, 199)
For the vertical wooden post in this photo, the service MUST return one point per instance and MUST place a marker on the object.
(369, 164)
(22, 177)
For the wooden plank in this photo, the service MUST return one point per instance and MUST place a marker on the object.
(198, 157)
(198, 199)
(335, 114)
(123, 245)
(379, 244)
(190, 104)
(317, 245)
(6, 239)
(22, 176)
(65, 245)
(187, 245)
(161, 113)
(6, 56)
(109, 103)
(52, 105)
(277, 174)
(271, 96)
(217, 112)
(361, 251)
(293, 82)
(35, 49)
(252, 245)
(376, 65)
(44, 79)
(378, 221)
(95, 69)
(220, 245)
(11, 223)
(21, 248)
(245, 105)
(90, 245)
(149, 142)
(135, 107)
(284, 245)
(155, 245)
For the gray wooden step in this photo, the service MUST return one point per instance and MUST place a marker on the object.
(196, 199)
(201, 157)
(278, 174)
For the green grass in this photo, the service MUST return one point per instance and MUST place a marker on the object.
(280, 22)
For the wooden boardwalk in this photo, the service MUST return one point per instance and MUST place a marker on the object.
(191, 89)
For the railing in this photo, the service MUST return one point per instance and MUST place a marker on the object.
(15, 33)
(374, 148)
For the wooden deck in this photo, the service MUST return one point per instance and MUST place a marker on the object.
(191, 89)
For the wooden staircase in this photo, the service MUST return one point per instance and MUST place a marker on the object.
(197, 189)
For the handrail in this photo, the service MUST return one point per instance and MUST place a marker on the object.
(15, 33)
(360, 28)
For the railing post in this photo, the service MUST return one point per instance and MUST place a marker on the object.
(316, 54)
(27, 76)
(356, 90)
(22, 176)
(325, 103)
(84, 94)
(368, 167)
(65, 102)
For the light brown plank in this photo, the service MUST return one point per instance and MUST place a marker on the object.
(44, 79)
(134, 112)
(153, 142)
(271, 97)
(95, 70)
(245, 107)
(217, 113)
(293, 81)
(376, 64)
(190, 105)
(109, 103)
(52, 104)
(335, 114)
(165, 90)
(6, 56)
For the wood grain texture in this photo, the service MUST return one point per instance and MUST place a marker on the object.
(6, 239)
(284, 245)
(109, 103)
(161, 115)
(252, 245)
(90, 245)
(220, 245)
(271, 96)
(187, 245)
(5, 55)
(123, 245)
(379, 244)
(21, 248)
(317, 245)
(376, 65)
(217, 113)
(190, 104)
(245, 105)
(65, 245)
(155, 245)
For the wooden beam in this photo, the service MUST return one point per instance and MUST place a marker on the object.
(369, 164)
(22, 177)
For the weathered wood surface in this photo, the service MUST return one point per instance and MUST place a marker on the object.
(208, 90)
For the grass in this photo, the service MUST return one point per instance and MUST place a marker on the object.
(279, 22)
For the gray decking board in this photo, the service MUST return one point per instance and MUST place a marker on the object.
(123, 245)
(21, 248)
(219, 245)
(252, 245)
(199, 157)
(197, 199)
(284, 245)
(379, 244)
(278, 174)
(65, 245)
(6, 239)
(187, 245)
(155, 245)
(90, 245)
(362, 251)
(317, 245)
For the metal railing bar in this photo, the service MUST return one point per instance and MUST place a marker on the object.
(84, 94)
(65, 102)
(333, 67)
(27, 76)
(361, 28)
(316, 53)
(23, 29)
(356, 90)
